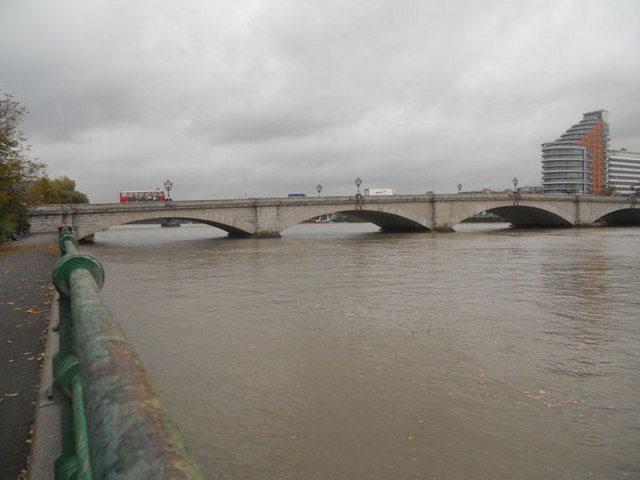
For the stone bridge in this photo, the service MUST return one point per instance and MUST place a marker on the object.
(268, 217)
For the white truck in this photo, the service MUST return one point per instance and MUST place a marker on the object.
(378, 192)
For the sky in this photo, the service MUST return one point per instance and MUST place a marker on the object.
(246, 98)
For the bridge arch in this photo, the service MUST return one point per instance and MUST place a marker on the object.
(524, 216)
(388, 217)
(629, 215)
(520, 214)
(84, 230)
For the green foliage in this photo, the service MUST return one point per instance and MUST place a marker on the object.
(16, 171)
(61, 190)
(23, 182)
(42, 192)
(67, 191)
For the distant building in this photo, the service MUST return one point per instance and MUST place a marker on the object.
(624, 171)
(577, 161)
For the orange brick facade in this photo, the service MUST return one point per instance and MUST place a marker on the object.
(593, 141)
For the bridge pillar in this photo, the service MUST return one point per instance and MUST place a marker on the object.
(267, 221)
(441, 215)
(584, 216)
(266, 234)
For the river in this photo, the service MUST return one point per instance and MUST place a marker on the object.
(336, 352)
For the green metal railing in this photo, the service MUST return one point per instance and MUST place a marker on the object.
(114, 425)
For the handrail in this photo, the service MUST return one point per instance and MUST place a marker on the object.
(114, 425)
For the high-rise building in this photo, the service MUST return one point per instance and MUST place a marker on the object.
(577, 161)
(624, 171)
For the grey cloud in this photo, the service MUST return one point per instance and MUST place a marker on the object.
(233, 98)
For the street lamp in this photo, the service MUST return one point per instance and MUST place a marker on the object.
(359, 201)
(319, 189)
(634, 195)
(168, 185)
(516, 195)
(459, 187)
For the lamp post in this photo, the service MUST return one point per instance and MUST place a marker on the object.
(168, 185)
(516, 195)
(319, 189)
(358, 195)
(459, 187)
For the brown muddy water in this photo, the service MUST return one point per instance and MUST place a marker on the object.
(337, 352)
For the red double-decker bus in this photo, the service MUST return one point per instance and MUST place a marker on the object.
(141, 196)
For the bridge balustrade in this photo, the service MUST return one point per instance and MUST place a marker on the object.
(114, 424)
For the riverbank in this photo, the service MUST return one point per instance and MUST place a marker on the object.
(26, 301)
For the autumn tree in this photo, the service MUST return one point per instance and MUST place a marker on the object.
(42, 192)
(17, 172)
(66, 189)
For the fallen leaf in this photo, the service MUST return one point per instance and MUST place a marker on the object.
(32, 310)
(10, 394)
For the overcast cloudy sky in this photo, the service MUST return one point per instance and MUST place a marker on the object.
(234, 98)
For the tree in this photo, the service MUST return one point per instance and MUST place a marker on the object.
(17, 172)
(67, 191)
(42, 192)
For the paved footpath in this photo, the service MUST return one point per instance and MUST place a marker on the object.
(26, 302)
